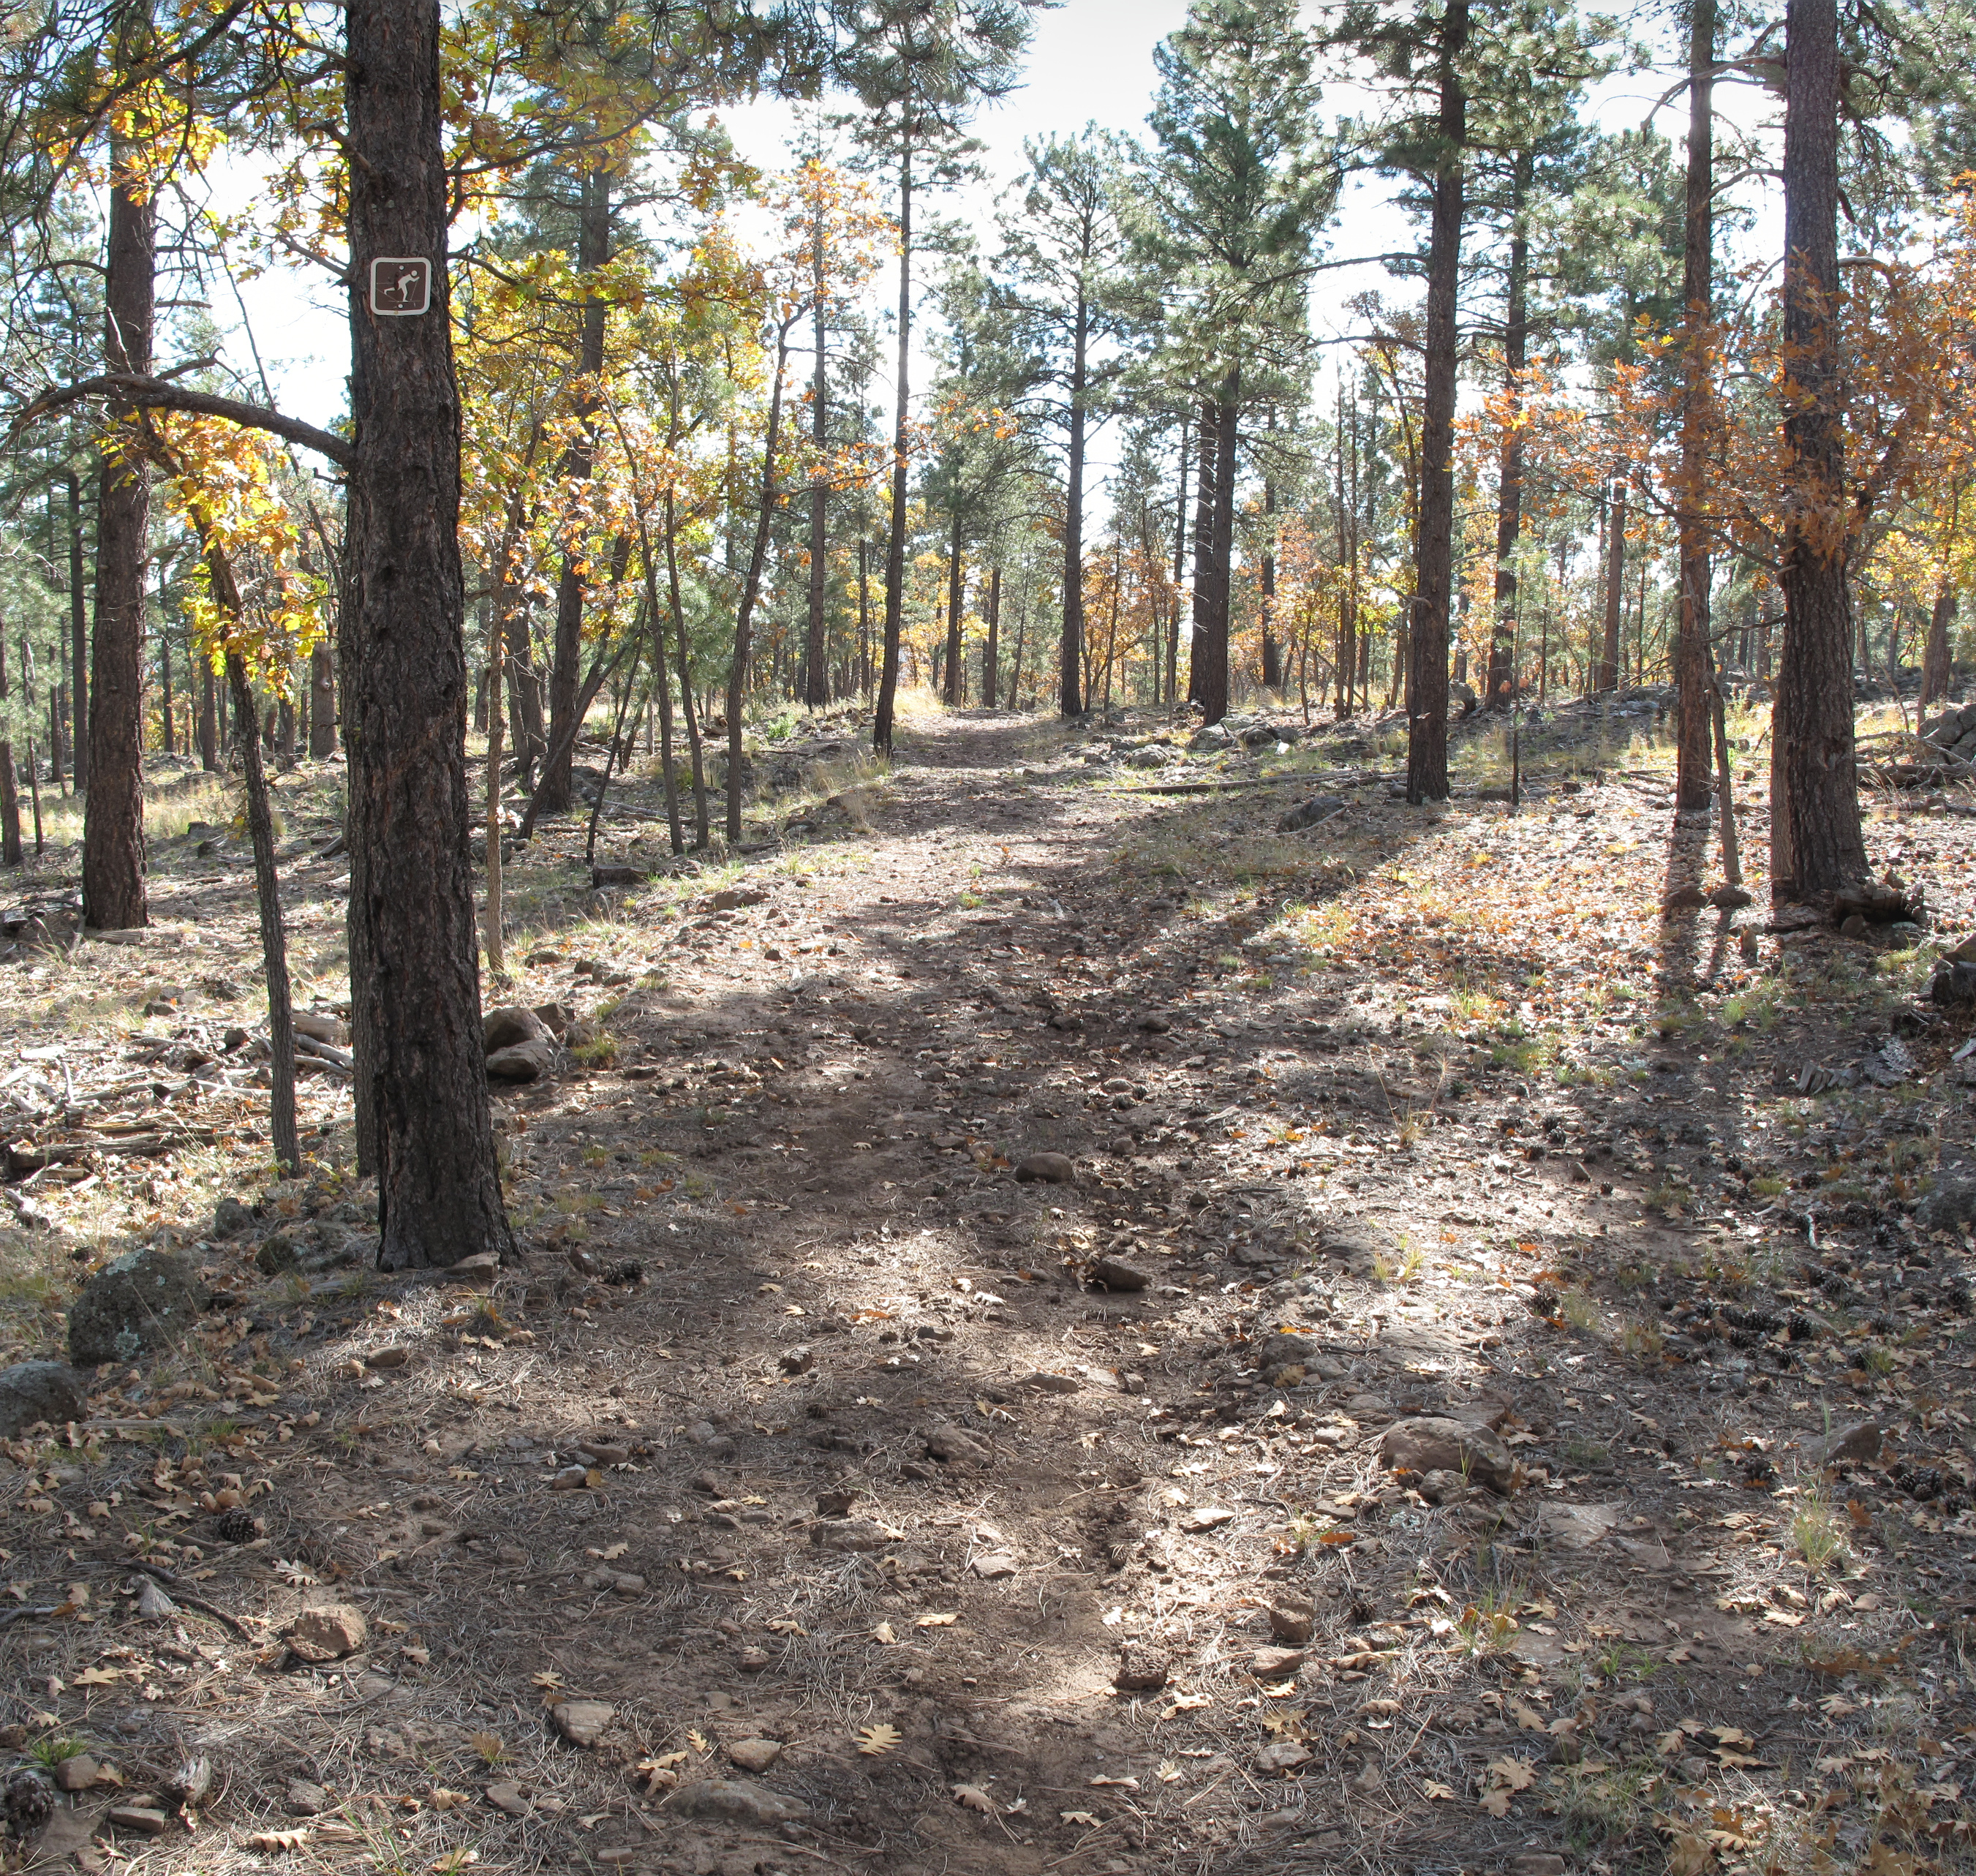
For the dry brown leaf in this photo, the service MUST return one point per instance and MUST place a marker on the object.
(1082, 1819)
(878, 1738)
(273, 1841)
(975, 1798)
(884, 1633)
(1496, 1801)
(935, 1621)
(1514, 1774)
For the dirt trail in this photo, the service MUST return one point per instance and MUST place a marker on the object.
(900, 1515)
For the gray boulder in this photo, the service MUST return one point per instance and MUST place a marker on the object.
(510, 1025)
(38, 1390)
(525, 1061)
(1953, 1203)
(1431, 1444)
(145, 1301)
(1311, 813)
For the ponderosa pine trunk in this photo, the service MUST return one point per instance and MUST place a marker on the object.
(113, 838)
(1427, 651)
(954, 685)
(1607, 675)
(1816, 844)
(1179, 567)
(322, 702)
(816, 669)
(1210, 642)
(1273, 656)
(78, 629)
(1072, 700)
(895, 539)
(992, 653)
(1203, 551)
(10, 802)
(1935, 667)
(593, 250)
(1695, 666)
(751, 587)
(1499, 677)
(421, 1080)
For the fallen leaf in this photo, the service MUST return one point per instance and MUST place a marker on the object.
(786, 1625)
(1437, 1793)
(1496, 1801)
(935, 1621)
(876, 1740)
(1514, 1774)
(975, 1798)
(277, 1840)
(698, 1740)
(1082, 1819)
(884, 1633)
(1123, 1785)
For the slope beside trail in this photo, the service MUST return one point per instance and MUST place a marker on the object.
(1475, 1401)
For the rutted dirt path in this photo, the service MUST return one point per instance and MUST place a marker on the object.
(861, 1505)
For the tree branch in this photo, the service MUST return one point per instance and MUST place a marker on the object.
(154, 393)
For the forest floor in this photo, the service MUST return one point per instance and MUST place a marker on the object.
(819, 1494)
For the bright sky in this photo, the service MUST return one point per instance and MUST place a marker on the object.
(1092, 60)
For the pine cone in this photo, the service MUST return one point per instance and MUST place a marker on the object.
(237, 1526)
(26, 1800)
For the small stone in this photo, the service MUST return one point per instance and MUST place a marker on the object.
(1311, 813)
(32, 1391)
(1274, 1663)
(1952, 1203)
(752, 1660)
(141, 1818)
(477, 1271)
(582, 1722)
(303, 1799)
(951, 1444)
(525, 1061)
(1443, 1487)
(1045, 1382)
(797, 1360)
(1534, 1863)
(154, 1605)
(754, 1755)
(77, 1774)
(734, 1801)
(507, 1797)
(327, 1634)
(395, 1357)
(1291, 1620)
(1729, 898)
(571, 1479)
(1109, 1273)
(1428, 1443)
(230, 1218)
(1049, 1168)
(1205, 1518)
(1853, 1446)
(1142, 1667)
(1276, 1351)
(731, 898)
(277, 1255)
(603, 1452)
(510, 1026)
(852, 1534)
(1156, 1025)
(1285, 1755)
(994, 1564)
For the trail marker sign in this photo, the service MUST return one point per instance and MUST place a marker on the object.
(400, 285)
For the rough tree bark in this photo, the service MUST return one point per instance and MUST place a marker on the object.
(1607, 676)
(113, 838)
(322, 702)
(1070, 700)
(954, 684)
(1427, 651)
(1510, 463)
(421, 1082)
(1816, 845)
(816, 668)
(991, 655)
(1210, 675)
(1934, 660)
(895, 539)
(78, 629)
(1694, 669)
(593, 250)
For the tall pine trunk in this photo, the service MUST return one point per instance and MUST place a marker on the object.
(1934, 660)
(1204, 550)
(113, 839)
(1607, 677)
(1816, 845)
(1510, 463)
(954, 687)
(1427, 651)
(1071, 701)
(1273, 656)
(420, 1081)
(78, 627)
(816, 671)
(895, 539)
(751, 588)
(991, 657)
(1210, 644)
(1693, 672)
(593, 250)
(322, 702)
(1180, 568)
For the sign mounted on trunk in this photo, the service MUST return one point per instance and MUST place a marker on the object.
(400, 285)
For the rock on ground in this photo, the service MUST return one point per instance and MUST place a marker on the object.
(38, 1390)
(1429, 1444)
(327, 1634)
(146, 1301)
